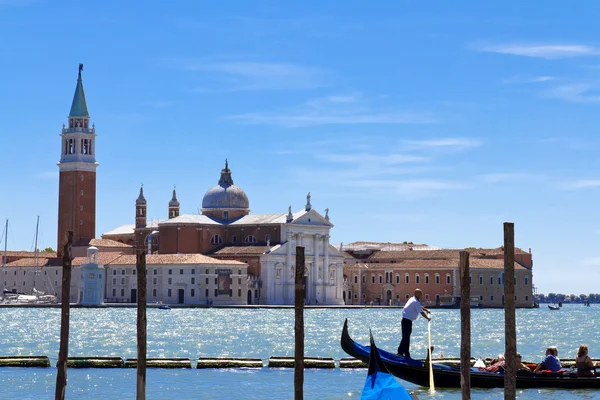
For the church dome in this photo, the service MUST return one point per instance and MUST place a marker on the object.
(225, 195)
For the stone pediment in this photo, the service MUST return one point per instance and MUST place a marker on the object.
(312, 218)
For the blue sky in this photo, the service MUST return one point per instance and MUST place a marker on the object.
(432, 122)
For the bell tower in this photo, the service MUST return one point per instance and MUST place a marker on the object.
(77, 181)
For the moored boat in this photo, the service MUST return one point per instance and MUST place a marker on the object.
(553, 307)
(417, 372)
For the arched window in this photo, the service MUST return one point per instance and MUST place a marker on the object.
(481, 279)
(417, 279)
(406, 278)
(355, 278)
(216, 239)
(364, 279)
(250, 239)
(447, 279)
(427, 279)
(380, 278)
(437, 279)
(372, 278)
(397, 278)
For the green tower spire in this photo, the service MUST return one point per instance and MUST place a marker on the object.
(79, 106)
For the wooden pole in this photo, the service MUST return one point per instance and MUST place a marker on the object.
(63, 352)
(510, 330)
(141, 323)
(300, 281)
(465, 325)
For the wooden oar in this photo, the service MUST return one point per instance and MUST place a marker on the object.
(431, 384)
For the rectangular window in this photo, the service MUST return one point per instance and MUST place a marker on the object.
(180, 272)
(207, 281)
(239, 281)
(193, 280)
(216, 292)
(193, 272)
(122, 292)
(491, 280)
(206, 272)
(154, 292)
(169, 293)
(216, 281)
(480, 280)
(170, 272)
(492, 297)
(355, 279)
(206, 293)
(114, 281)
(155, 271)
(170, 281)
(122, 281)
(526, 281)
(114, 292)
(526, 298)
(154, 281)
(239, 292)
(193, 292)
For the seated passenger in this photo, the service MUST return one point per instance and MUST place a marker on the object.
(520, 365)
(583, 362)
(551, 362)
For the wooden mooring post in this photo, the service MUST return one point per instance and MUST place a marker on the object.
(465, 326)
(300, 281)
(140, 264)
(510, 330)
(63, 351)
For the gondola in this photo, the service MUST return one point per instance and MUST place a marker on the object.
(417, 372)
(553, 307)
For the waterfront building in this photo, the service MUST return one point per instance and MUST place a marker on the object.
(388, 274)
(266, 243)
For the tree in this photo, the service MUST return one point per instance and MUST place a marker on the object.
(49, 250)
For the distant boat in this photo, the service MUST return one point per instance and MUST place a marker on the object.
(380, 385)
(553, 307)
(164, 307)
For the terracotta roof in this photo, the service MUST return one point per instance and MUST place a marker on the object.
(415, 254)
(492, 252)
(490, 263)
(424, 264)
(158, 259)
(29, 262)
(108, 243)
(103, 258)
(23, 254)
(254, 250)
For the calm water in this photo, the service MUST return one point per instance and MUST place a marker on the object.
(263, 333)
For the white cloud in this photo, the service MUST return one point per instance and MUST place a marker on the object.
(577, 93)
(548, 51)
(507, 177)
(247, 75)
(533, 79)
(462, 143)
(372, 159)
(582, 184)
(333, 110)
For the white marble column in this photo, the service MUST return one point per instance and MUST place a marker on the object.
(315, 266)
(326, 280)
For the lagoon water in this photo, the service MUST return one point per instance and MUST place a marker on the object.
(255, 332)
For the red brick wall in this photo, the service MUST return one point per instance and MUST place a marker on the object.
(76, 211)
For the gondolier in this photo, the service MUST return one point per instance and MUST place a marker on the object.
(410, 312)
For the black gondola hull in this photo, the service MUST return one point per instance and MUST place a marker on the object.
(417, 372)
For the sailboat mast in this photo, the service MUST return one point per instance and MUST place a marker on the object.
(35, 249)
(4, 259)
(5, 243)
